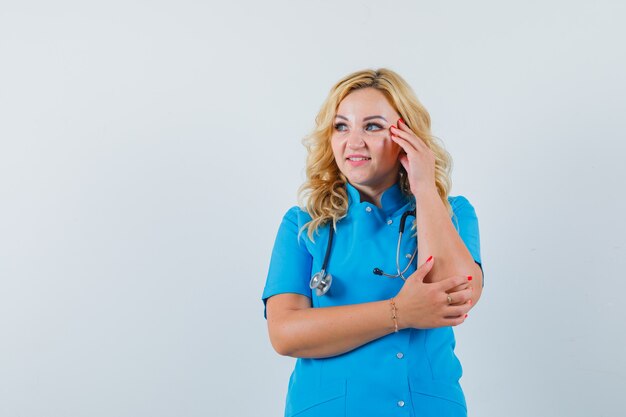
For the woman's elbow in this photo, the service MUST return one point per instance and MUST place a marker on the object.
(283, 327)
(279, 339)
(477, 277)
(280, 346)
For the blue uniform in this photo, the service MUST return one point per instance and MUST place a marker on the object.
(409, 373)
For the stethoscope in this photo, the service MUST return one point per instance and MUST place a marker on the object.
(322, 281)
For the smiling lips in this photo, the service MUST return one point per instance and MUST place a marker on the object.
(357, 160)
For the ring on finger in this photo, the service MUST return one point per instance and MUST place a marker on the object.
(449, 299)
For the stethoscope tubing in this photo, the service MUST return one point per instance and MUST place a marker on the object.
(322, 281)
(400, 273)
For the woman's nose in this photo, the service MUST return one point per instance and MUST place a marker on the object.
(355, 140)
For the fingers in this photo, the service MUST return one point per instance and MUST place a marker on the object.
(449, 283)
(403, 139)
(423, 270)
(454, 321)
(460, 287)
(457, 311)
(456, 314)
(460, 297)
(442, 304)
(459, 301)
(406, 136)
(404, 160)
(406, 146)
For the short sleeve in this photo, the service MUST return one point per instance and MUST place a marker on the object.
(466, 223)
(290, 264)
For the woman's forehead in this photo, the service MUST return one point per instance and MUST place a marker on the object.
(365, 102)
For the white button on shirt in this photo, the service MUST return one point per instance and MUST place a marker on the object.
(399, 355)
(368, 209)
(400, 403)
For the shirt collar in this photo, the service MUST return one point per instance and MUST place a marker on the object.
(391, 200)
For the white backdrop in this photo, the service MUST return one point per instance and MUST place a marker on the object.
(148, 151)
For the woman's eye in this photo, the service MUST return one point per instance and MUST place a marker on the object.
(341, 127)
(372, 127)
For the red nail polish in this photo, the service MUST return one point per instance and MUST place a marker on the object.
(469, 277)
(401, 120)
(428, 260)
(466, 316)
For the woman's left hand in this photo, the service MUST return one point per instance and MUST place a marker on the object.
(417, 159)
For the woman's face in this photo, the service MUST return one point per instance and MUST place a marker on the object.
(361, 143)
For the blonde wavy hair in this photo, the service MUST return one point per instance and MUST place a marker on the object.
(323, 195)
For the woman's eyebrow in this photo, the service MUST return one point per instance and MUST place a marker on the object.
(374, 117)
(365, 119)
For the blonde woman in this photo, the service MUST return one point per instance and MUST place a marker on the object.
(372, 331)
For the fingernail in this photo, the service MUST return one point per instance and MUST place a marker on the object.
(429, 259)
(470, 301)
(469, 277)
(466, 316)
(401, 120)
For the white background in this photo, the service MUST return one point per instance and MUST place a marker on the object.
(148, 151)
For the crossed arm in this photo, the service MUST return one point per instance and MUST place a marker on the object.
(298, 330)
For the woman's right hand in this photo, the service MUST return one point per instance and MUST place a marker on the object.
(423, 305)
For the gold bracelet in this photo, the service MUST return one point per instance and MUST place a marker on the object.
(394, 314)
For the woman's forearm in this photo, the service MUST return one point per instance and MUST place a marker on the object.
(329, 331)
(437, 236)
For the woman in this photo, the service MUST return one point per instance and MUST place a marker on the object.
(376, 338)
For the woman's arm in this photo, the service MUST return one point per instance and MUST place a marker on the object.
(300, 331)
(436, 234)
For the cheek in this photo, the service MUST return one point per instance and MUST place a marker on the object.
(337, 149)
(395, 148)
(389, 147)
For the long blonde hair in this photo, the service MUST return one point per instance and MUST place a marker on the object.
(324, 193)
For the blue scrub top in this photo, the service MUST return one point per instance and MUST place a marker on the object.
(413, 372)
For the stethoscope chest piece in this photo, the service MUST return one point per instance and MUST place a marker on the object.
(321, 283)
